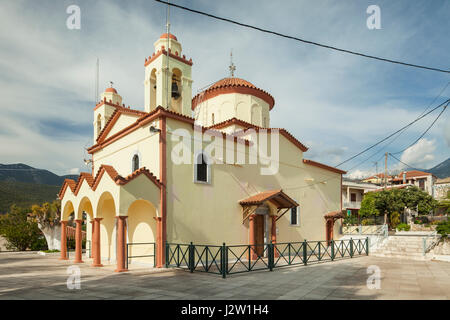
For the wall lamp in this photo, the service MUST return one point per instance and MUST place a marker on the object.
(154, 129)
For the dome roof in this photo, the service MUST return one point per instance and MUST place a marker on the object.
(111, 89)
(171, 36)
(232, 85)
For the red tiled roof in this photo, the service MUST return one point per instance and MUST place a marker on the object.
(93, 182)
(278, 197)
(323, 166)
(232, 85)
(171, 36)
(400, 186)
(411, 174)
(334, 215)
(232, 121)
(111, 90)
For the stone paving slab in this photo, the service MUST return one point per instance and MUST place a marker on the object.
(31, 276)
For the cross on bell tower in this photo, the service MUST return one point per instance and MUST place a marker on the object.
(232, 67)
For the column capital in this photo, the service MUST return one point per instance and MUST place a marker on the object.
(98, 219)
(121, 217)
(64, 222)
(157, 218)
(78, 220)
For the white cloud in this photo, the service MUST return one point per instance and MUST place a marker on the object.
(74, 171)
(420, 155)
(360, 174)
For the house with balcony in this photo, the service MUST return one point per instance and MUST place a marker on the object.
(352, 193)
(423, 180)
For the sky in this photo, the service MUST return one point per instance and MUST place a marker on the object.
(336, 104)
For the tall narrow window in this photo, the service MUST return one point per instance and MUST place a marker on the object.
(99, 124)
(212, 119)
(294, 216)
(202, 169)
(135, 162)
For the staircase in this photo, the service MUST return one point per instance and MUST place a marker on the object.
(406, 247)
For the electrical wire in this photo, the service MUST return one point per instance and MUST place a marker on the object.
(392, 134)
(303, 40)
(424, 133)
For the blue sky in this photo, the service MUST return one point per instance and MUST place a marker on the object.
(336, 104)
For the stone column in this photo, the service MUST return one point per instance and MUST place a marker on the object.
(96, 243)
(78, 241)
(63, 240)
(121, 244)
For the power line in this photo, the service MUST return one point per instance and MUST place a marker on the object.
(389, 136)
(303, 40)
(401, 161)
(429, 127)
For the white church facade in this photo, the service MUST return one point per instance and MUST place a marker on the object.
(180, 171)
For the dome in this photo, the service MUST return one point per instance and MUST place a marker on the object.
(171, 36)
(111, 89)
(232, 85)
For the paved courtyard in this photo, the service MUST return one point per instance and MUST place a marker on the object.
(31, 276)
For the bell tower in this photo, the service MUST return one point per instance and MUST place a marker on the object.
(168, 81)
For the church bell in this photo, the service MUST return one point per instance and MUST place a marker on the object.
(175, 92)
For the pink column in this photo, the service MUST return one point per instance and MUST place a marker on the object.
(121, 244)
(96, 244)
(63, 241)
(78, 242)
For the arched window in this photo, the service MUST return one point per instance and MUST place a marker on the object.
(135, 162)
(99, 124)
(201, 169)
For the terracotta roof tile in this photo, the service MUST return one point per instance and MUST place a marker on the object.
(323, 166)
(232, 85)
(94, 182)
(278, 197)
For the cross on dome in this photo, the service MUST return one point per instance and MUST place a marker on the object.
(232, 67)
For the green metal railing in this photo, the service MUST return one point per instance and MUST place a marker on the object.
(151, 245)
(226, 260)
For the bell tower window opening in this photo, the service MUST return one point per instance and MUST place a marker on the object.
(176, 90)
(135, 162)
(99, 124)
(212, 119)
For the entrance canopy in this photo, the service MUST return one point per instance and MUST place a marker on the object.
(277, 197)
(334, 215)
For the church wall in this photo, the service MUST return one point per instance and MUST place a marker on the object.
(123, 121)
(227, 106)
(119, 154)
(210, 213)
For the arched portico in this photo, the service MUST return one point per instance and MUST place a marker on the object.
(141, 230)
(105, 238)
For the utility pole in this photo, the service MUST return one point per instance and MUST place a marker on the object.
(385, 169)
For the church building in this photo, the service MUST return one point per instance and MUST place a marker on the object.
(154, 178)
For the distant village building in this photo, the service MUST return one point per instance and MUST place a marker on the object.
(139, 191)
(441, 188)
(420, 179)
(376, 179)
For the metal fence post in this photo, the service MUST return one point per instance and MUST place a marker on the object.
(191, 257)
(367, 246)
(127, 256)
(223, 262)
(167, 254)
(289, 253)
(304, 252)
(270, 256)
(351, 247)
(319, 251)
(332, 250)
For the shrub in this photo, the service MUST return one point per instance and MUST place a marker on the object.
(443, 228)
(423, 219)
(395, 219)
(403, 227)
(367, 222)
(350, 220)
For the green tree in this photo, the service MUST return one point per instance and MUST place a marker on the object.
(20, 232)
(368, 207)
(415, 198)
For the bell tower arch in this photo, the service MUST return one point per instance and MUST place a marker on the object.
(170, 87)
